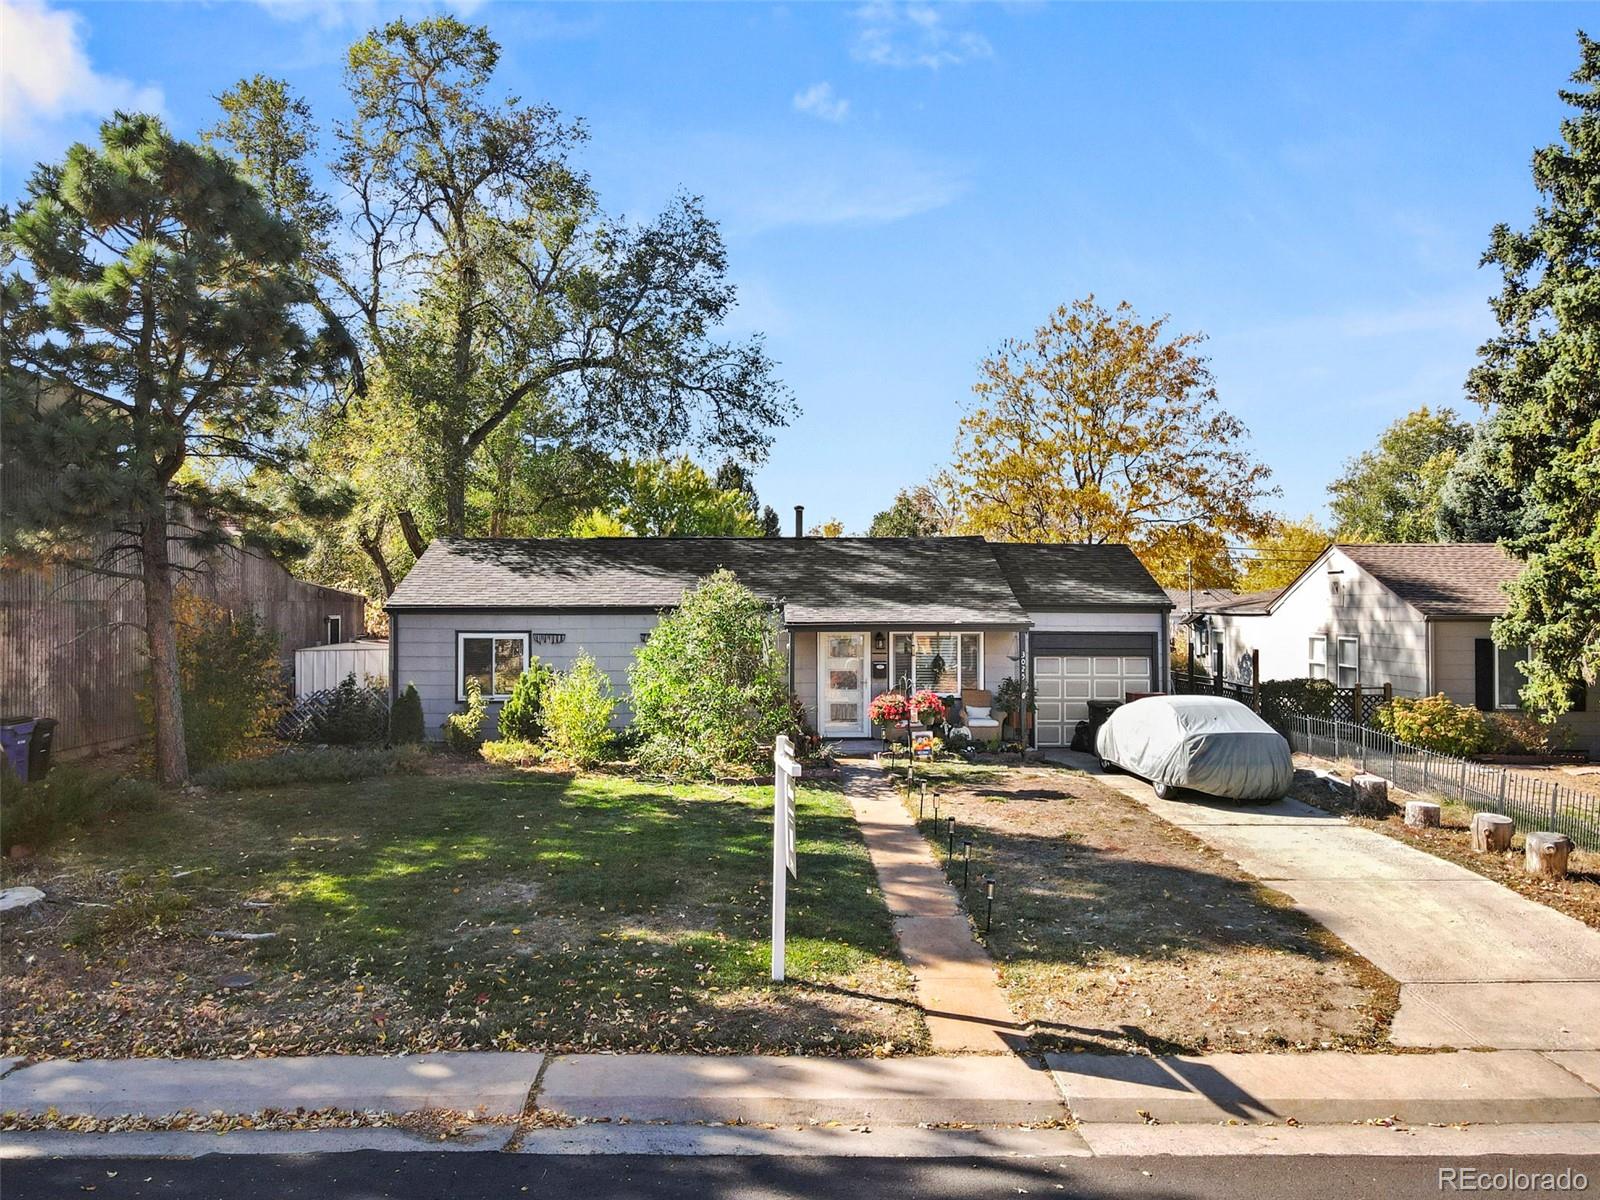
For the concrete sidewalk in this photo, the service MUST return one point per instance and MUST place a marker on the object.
(956, 982)
(1478, 965)
(997, 1091)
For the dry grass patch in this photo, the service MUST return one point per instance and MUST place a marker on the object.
(1117, 931)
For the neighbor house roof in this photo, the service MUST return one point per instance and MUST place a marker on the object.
(1048, 576)
(1440, 579)
(818, 581)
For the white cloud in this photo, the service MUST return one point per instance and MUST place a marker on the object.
(819, 100)
(758, 187)
(914, 35)
(46, 75)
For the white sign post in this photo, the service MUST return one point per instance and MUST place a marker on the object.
(785, 770)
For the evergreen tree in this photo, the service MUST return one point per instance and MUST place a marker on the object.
(1475, 503)
(151, 326)
(405, 719)
(1542, 372)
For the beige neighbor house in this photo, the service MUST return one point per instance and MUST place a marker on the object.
(857, 616)
(1414, 615)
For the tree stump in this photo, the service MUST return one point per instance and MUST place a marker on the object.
(1545, 855)
(1491, 832)
(1370, 795)
(1422, 814)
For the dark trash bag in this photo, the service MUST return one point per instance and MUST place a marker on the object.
(1081, 741)
(44, 735)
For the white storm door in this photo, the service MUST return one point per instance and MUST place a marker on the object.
(842, 684)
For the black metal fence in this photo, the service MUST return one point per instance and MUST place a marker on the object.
(1194, 683)
(1532, 804)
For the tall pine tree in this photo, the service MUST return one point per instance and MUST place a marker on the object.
(151, 333)
(1543, 373)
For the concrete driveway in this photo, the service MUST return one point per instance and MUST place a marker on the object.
(1478, 965)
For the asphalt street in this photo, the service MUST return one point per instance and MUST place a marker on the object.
(447, 1176)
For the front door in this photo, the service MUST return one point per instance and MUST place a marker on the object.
(842, 684)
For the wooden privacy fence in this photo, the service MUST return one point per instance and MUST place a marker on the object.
(72, 642)
(1532, 804)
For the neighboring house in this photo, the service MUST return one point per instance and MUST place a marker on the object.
(859, 616)
(1413, 615)
(1217, 647)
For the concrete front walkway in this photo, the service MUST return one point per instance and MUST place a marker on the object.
(1478, 965)
(955, 978)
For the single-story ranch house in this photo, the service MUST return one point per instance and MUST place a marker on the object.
(859, 615)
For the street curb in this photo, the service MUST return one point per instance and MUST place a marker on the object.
(971, 1090)
(1325, 1087)
(181, 1144)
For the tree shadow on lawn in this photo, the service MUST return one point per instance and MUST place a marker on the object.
(573, 909)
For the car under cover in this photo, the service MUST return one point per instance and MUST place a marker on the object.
(1206, 743)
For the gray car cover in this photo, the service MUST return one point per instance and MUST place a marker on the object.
(1206, 743)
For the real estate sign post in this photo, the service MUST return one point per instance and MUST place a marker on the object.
(785, 770)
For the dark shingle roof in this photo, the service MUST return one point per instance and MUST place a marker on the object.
(819, 580)
(1440, 579)
(843, 581)
(1075, 575)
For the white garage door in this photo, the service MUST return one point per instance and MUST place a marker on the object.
(1064, 684)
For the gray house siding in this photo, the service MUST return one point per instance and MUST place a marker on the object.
(425, 650)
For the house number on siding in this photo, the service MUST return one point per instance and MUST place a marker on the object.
(548, 639)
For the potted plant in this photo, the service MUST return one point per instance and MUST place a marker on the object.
(887, 710)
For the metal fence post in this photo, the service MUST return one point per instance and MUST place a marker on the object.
(1336, 740)
(1501, 805)
(1555, 791)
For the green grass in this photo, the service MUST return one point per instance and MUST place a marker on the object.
(485, 908)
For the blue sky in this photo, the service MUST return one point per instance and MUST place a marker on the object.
(902, 187)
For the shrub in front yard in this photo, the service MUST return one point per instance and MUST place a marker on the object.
(1435, 723)
(578, 706)
(405, 719)
(332, 764)
(511, 752)
(36, 814)
(1284, 699)
(463, 731)
(230, 676)
(352, 714)
(1519, 733)
(709, 688)
(522, 716)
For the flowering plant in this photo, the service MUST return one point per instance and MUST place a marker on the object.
(927, 705)
(887, 708)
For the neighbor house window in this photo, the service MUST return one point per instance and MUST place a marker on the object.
(1508, 679)
(1317, 655)
(332, 627)
(1349, 662)
(493, 659)
(942, 662)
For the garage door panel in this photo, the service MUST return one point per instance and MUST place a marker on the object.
(1065, 683)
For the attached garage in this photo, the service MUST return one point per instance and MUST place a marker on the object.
(1070, 669)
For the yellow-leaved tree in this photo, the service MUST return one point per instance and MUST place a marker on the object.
(1289, 547)
(1103, 428)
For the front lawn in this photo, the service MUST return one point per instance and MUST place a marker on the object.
(475, 909)
(1116, 931)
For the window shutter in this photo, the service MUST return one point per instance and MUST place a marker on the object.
(1483, 673)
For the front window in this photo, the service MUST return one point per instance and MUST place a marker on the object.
(941, 662)
(1317, 656)
(333, 628)
(1349, 662)
(494, 660)
(1508, 678)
